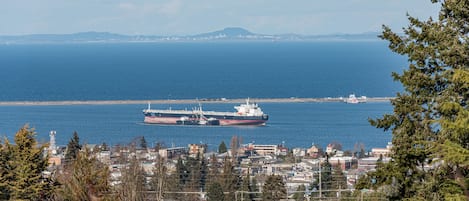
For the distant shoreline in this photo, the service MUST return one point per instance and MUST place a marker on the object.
(184, 101)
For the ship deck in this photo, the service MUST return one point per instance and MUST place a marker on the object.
(190, 112)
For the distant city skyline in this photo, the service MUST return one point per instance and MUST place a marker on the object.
(178, 17)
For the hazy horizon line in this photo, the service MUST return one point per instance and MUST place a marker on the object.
(193, 34)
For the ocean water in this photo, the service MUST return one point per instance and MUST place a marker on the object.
(196, 70)
(295, 124)
(135, 71)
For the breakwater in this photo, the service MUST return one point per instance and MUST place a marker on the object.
(185, 101)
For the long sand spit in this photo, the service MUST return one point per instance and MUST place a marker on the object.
(184, 101)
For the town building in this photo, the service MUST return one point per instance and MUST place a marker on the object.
(384, 152)
(172, 152)
(344, 162)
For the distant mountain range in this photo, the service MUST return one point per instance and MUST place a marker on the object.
(227, 34)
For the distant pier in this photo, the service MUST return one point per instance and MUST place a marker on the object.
(186, 101)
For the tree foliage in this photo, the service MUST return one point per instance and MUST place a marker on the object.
(5, 156)
(22, 167)
(222, 148)
(215, 192)
(274, 188)
(73, 147)
(143, 143)
(326, 176)
(430, 123)
(84, 179)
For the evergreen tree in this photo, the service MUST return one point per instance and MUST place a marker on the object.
(326, 177)
(5, 156)
(21, 168)
(215, 192)
(84, 179)
(274, 188)
(73, 147)
(143, 143)
(104, 147)
(222, 148)
(430, 119)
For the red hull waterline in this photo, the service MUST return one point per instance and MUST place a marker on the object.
(223, 122)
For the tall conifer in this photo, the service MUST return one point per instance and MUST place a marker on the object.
(22, 167)
(274, 188)
(73, 147)
(430, 118)
(222, 147)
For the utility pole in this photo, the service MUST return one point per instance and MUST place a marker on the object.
(320, 182)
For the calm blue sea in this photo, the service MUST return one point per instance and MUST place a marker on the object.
(191, 70)
(295, 124)
(134, 71)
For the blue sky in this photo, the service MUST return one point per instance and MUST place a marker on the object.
(182, 17)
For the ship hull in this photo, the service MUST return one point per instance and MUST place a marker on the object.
(226, 121)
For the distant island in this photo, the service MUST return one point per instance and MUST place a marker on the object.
(227, 34)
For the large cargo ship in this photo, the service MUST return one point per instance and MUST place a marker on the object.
(246, 114)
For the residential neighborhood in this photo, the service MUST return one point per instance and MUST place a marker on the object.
(301, 168)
